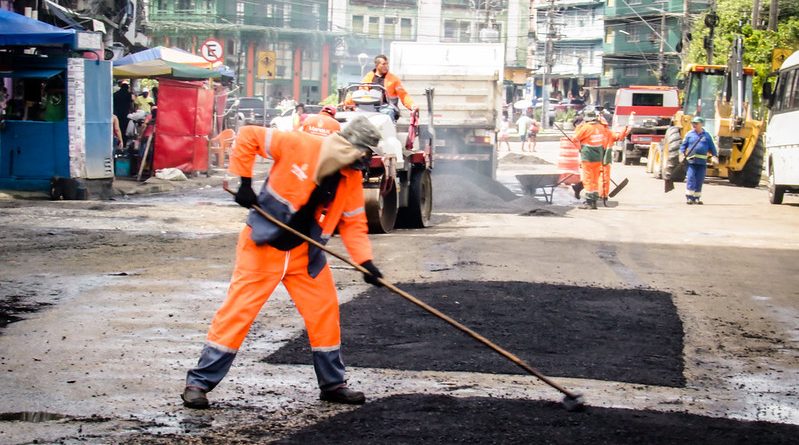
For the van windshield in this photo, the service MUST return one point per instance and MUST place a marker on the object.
(647, 100)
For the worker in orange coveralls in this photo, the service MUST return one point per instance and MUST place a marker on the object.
(592, 137)
(607, 156)
(322, 124)
(395, 92)
(314, 186)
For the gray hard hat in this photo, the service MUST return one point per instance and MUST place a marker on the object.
(589, 114)
(363, 135)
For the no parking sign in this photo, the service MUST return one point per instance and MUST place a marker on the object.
(212, 51)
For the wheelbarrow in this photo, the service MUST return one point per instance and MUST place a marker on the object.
(542, 184)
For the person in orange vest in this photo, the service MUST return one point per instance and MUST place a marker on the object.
(395, 92)
(322, 124)
(314, 186)
(592, 137)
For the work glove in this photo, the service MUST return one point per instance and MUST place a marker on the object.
(245, 197)
(681, 157)
(373, 275)
(714, 160)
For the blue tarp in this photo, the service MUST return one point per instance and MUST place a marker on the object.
(32, 74)
(18, 30)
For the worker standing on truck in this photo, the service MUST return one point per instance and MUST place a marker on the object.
(314, 186)
(592, 137)
(395, 92)
(695, 148)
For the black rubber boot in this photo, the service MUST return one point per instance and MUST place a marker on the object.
(343, 394)
(194, 397)
(588, 205)
(577, 188)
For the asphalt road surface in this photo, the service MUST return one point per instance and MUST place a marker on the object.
(106, 304)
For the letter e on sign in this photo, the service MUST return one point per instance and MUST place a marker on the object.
(212, 51)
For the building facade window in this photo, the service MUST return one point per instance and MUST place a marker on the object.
(357, 24)
(406, 29)
(374, 26)
(284, 56)
(390, 27)
(632, 33)
(630, 71)
(450, 30)
(311, 64)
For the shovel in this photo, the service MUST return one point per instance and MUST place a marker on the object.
(571, 401)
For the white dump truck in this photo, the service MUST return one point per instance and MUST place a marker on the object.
(468, 100)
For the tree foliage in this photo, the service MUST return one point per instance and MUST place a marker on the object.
(734, 17)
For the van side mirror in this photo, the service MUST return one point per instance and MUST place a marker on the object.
(767, 94)
(681, 83)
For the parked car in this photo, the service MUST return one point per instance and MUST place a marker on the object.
(248, 111)
(285, 121)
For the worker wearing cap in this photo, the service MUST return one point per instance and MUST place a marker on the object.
(695, 148)
(314, 186)
(322, 124)
(592, 137)
(395, 92)
(143, 102)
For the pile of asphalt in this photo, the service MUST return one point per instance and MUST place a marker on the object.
(626, 335)
(435, 419)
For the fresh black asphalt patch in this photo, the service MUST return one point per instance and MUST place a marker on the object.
(435, 419)
(625, 335)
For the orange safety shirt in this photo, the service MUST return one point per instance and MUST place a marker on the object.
(394, 89)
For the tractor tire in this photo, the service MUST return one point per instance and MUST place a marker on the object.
(420, 201)
(775, 192)
(673, 169)
(750, 175)
(381, 205)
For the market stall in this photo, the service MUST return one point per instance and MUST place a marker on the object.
(184, 120)
(55, 133)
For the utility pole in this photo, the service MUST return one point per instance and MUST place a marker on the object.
(550, 30)
(661, 58)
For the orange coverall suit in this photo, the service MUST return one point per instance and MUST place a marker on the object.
(592, 137)
(303, 269)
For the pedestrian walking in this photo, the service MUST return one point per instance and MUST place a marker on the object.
(695, 148)
(314, 186)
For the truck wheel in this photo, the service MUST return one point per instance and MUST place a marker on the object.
(750, 175)
(775, 192)
(420, 201)
(381, 206)
(625, 158)
(673, 169)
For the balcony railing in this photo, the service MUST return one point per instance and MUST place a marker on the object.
(297, 21)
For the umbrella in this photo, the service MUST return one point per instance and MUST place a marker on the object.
(175, 55)
(163, 68)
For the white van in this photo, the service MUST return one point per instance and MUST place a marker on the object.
(782, 139)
